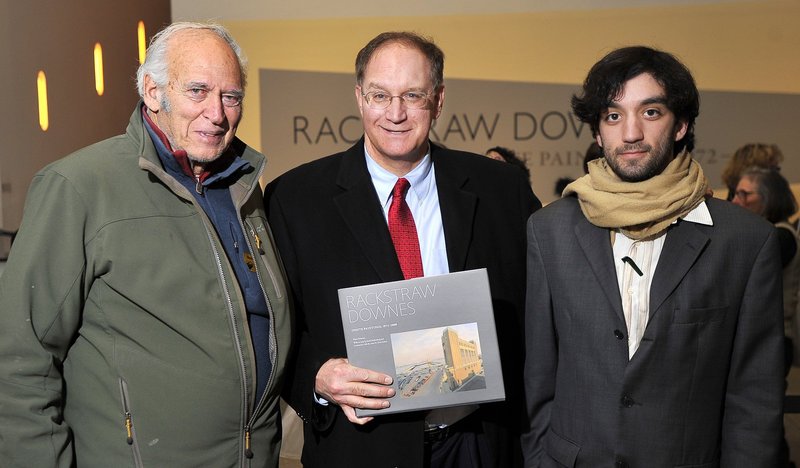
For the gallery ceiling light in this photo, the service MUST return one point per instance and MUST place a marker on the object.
(41, 87)
(99, 84)
(142, 42)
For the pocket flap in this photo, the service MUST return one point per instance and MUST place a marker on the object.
(561, 450)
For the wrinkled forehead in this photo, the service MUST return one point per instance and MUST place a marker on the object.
(201, 54)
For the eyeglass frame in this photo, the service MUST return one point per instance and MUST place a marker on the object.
(744, 194)
(368, 97)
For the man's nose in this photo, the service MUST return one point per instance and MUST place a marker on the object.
(396, 112)
(215, 110)
(632, 131)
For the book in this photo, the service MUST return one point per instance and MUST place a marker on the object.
(434, 335)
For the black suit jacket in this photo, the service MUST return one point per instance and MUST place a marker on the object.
(331, 232)
(705, 387)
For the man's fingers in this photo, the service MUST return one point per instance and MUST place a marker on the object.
(371, 402)
(366, 375)
(351, 415)
(338, 379)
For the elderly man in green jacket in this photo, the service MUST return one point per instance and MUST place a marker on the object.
(143, 310)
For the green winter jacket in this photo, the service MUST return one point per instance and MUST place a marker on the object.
(123, 333)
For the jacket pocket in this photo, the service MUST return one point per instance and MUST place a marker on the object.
(698, 315)
(560, 449)
(130, 430)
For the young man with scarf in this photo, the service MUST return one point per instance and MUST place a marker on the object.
(653, 317)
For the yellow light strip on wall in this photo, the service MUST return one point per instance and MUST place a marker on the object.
(142, 44)
(99, 84)
(41, 87)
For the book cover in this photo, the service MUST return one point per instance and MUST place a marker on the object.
(434, 335)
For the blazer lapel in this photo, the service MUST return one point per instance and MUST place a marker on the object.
(457, 205)
(362, 213)
(683, 245)
(596, 245)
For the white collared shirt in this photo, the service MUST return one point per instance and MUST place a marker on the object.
(423, 200)
(634, 288)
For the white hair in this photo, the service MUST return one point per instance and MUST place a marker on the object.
(156, 65)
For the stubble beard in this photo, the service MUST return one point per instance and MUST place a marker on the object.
(659, 156)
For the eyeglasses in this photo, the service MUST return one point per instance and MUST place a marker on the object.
(742, 194)
(382, 99)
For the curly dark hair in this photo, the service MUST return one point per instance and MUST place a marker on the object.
(607, 78)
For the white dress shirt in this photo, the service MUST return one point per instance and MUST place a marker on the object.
(635, 274)
(423, 200)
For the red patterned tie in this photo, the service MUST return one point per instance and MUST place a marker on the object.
(404, 232)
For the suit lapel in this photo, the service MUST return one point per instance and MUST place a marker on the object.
(596, 245)
(457, 206)
(362, 213)
(683, 245)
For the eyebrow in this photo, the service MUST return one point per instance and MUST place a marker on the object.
(205, 86)
(383, 88)
(655, 100)
(645, 102)
(195, 84)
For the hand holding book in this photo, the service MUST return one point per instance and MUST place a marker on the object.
(352, 387)
(433, 337)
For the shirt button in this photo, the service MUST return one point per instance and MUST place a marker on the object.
(621, 464)
(627, 401)
(619, 335)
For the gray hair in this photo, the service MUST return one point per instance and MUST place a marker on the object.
(156, 64)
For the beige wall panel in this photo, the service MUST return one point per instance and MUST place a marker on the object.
(744, 47)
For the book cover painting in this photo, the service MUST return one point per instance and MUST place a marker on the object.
(434, 335)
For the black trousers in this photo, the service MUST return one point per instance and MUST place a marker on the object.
(465, 446)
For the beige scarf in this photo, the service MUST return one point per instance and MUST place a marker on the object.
(641, 210)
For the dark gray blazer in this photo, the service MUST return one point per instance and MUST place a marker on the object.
(331, 232)
(705, 387)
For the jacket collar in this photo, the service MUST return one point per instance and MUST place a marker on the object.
(366, 222)
(150, 161)
(685, 242)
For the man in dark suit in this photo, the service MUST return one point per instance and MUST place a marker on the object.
(653, 317)
(332, 222)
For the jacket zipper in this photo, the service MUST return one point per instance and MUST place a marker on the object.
(178, 188)
(129, 429)
(237, 336)
(273, 347)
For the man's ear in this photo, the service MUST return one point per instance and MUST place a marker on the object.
(439, 102)
(359, 100)
(598, 139)
(680, 129)
(152, 94)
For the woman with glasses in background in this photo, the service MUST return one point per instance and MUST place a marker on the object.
(766, 193)
(750, 155)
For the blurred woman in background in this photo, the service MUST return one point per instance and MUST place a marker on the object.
(766, 193)
(750, 155)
